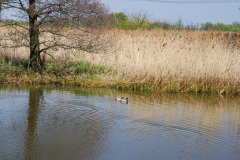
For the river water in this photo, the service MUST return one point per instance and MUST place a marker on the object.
(38, 123)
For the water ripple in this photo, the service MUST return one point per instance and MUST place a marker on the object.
(66, 125)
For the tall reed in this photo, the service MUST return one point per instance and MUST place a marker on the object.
(179, 61)
(184, 61)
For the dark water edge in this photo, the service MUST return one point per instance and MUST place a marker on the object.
(85, 123)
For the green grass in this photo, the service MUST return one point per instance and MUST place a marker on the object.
(81, 73)
(166, 86)
(86, 67)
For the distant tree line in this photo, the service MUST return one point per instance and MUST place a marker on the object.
(234, 27)
(142, 21)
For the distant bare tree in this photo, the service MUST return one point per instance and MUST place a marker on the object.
(140, 18)
(180, 24)
(191, 26)
(54, 24)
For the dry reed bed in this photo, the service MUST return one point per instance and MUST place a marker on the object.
(206, 60)
(177, 54)
(201, 59)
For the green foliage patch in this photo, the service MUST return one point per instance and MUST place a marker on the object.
(234, 27)
(141, 21)
(86, 67)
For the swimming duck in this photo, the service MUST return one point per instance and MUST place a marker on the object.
(124, 100)
(120, 99)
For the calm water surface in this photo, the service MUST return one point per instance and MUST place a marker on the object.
(89, 124)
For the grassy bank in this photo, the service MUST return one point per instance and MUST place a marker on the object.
(159, 60)
(16, 71)
(85, 74)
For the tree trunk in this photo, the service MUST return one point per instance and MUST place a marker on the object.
(35, 59)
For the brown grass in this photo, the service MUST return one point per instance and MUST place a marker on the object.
(180, 60)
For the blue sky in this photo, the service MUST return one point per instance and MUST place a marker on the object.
(190, 11)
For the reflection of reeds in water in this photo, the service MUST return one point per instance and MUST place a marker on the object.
(211, 114)
(204, 115)
(168, 60)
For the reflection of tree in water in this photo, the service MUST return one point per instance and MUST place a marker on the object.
(62, 128)
(77, 131)
(35, 98)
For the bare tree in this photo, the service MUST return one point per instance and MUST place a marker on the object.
(140, 18)
(67, 24)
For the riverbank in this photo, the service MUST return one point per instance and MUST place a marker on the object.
(157, 60)
(83, 74)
